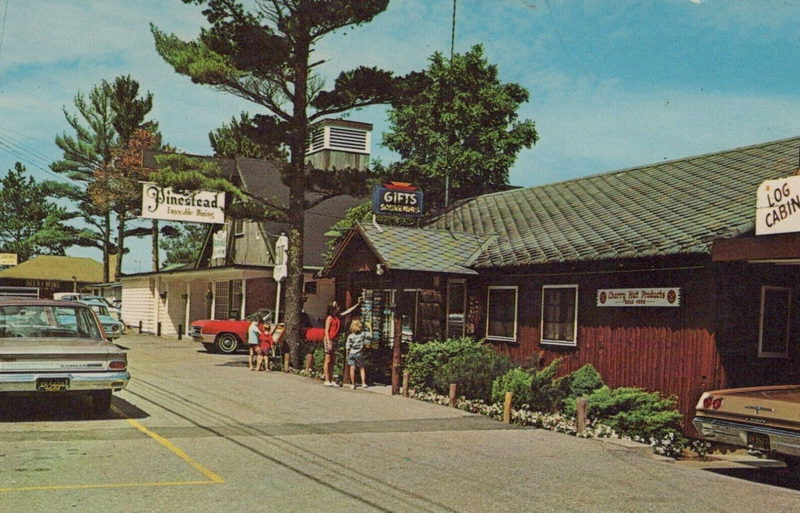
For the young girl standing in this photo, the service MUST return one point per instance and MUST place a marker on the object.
(254, 333)
(354, 347)
(333, 323)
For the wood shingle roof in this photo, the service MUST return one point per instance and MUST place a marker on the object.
(675, 207)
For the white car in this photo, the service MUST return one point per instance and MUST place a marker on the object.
(50, 348)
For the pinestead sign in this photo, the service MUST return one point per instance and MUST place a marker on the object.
(199, 207)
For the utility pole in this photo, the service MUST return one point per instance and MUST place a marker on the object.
(452, 53)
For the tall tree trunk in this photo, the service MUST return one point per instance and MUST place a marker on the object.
(106, 246)
(155, 245)
(297, 195)
(120, 245)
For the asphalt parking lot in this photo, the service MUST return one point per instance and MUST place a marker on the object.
(199, 432)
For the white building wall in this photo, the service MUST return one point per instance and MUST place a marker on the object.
(138, 304)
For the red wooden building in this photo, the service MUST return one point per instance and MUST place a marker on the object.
(652, 274)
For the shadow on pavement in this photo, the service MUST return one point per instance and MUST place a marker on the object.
(783, 477)
(63, 409)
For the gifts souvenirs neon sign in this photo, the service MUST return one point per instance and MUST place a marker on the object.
(397, 199)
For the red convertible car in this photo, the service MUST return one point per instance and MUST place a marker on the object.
(224, 336)
(228, 336)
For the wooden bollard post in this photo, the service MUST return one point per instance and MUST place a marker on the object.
(582, 405)
(507, 408)
(406, 377)
(309, 362)
(285, 362)
(397, 353)
(453, 389)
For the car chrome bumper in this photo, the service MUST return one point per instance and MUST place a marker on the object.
(78, 382)
(781, 441)
(203, 338)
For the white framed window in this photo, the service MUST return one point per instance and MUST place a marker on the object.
(774, 322)
(501, 313)
(456, 307)
(238, 227)
(559, 324)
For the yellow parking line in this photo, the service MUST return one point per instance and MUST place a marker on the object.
(108, 485)
(214, 478)
(185, 457)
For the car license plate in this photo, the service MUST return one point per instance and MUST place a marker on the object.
(52, 384)
(758, 441)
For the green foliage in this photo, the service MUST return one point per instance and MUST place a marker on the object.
(423, 359)
(262, 53)
(580, 383)
(184, 244)
(30, 225)
(105, 121)
(546, 392)
(129, 109)
(517, 381)
(318, 350)
(244, 137)
(461, 123)
(632, 411)
(473, 372)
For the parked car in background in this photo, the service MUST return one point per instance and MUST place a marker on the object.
(114, 310)
(765, 420)
(225, 336)
(54, 348)
(112, 304)
(67, 296)
(111, 327)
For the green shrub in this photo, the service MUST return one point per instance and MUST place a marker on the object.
(580, 383)
(473, 372)
(341, 358)
(518, 382)
(423, 359)
(632, 411)
(546, 392)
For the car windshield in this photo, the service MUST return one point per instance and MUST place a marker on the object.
(99, 309)
(47, 321)
(96, 298)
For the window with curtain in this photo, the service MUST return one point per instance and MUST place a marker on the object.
(559, 314)
(501, 315)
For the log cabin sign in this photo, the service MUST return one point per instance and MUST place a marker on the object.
(662, 296)
(778, 206)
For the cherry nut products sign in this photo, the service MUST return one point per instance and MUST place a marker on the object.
(660, 296)
(778, 206)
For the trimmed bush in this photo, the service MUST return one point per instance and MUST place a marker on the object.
(632, 412)
(518, 382)
(473, 372)
(424, 359)
(580, 383)
(546, 392)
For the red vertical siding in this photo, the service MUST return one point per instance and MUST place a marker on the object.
(680, 363)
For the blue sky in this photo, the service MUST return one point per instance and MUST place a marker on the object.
(613, 84)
